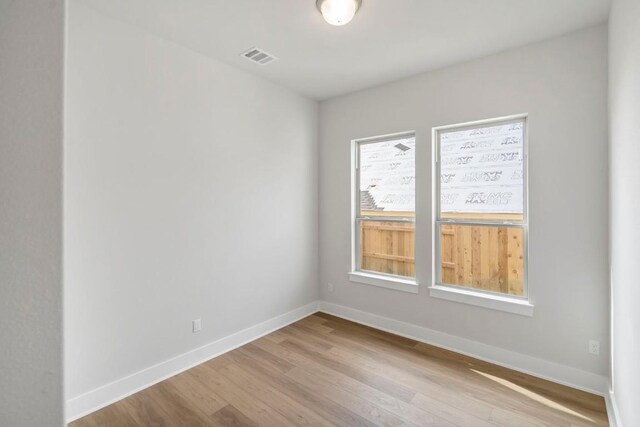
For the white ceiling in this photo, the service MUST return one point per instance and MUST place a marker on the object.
(387, 40)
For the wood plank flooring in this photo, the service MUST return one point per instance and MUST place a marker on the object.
(326, 371)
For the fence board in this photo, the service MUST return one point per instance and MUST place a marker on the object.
(481, 257)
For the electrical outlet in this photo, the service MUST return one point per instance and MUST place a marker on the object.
(197, 325)
(594, 347)
(330, 287)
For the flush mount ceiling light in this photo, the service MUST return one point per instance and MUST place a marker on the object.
(338, 12)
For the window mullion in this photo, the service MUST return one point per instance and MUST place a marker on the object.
(386, 218)
(481, 223)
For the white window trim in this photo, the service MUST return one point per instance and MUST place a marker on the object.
(390, 282)
(501, 302)
(480, 299)
(357, 275)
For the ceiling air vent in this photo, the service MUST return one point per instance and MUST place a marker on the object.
(258, 56)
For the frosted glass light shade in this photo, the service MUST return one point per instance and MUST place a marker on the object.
(338, 12)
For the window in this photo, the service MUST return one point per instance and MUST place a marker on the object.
(481, 207)
(384, 207)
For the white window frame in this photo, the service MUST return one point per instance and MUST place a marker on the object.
(357, 274)
(495, 300)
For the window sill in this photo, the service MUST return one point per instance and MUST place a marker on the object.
(494, 302)
(395, 283)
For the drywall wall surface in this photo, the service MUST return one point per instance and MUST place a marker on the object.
(191, 193)
(562, 85)
(624, 157)
(31, 132)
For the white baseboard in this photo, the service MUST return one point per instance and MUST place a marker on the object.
(544, 369)
(93, 400)
(612, 409)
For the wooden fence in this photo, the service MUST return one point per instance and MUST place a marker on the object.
(481, 257)
(388, 247)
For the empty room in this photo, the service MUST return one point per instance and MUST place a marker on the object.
(319, 212)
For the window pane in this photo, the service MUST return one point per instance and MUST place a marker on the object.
(481, 173)
(489, 258)
(388, 247)
(387, 178)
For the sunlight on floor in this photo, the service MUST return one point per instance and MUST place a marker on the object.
(532, 395)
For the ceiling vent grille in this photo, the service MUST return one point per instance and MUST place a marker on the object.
(258, 56)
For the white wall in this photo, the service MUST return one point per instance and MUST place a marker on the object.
(624, 157)
(31, 131)
(190, 192)
(562, 84)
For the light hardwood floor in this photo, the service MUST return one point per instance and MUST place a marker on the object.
(326, 371)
